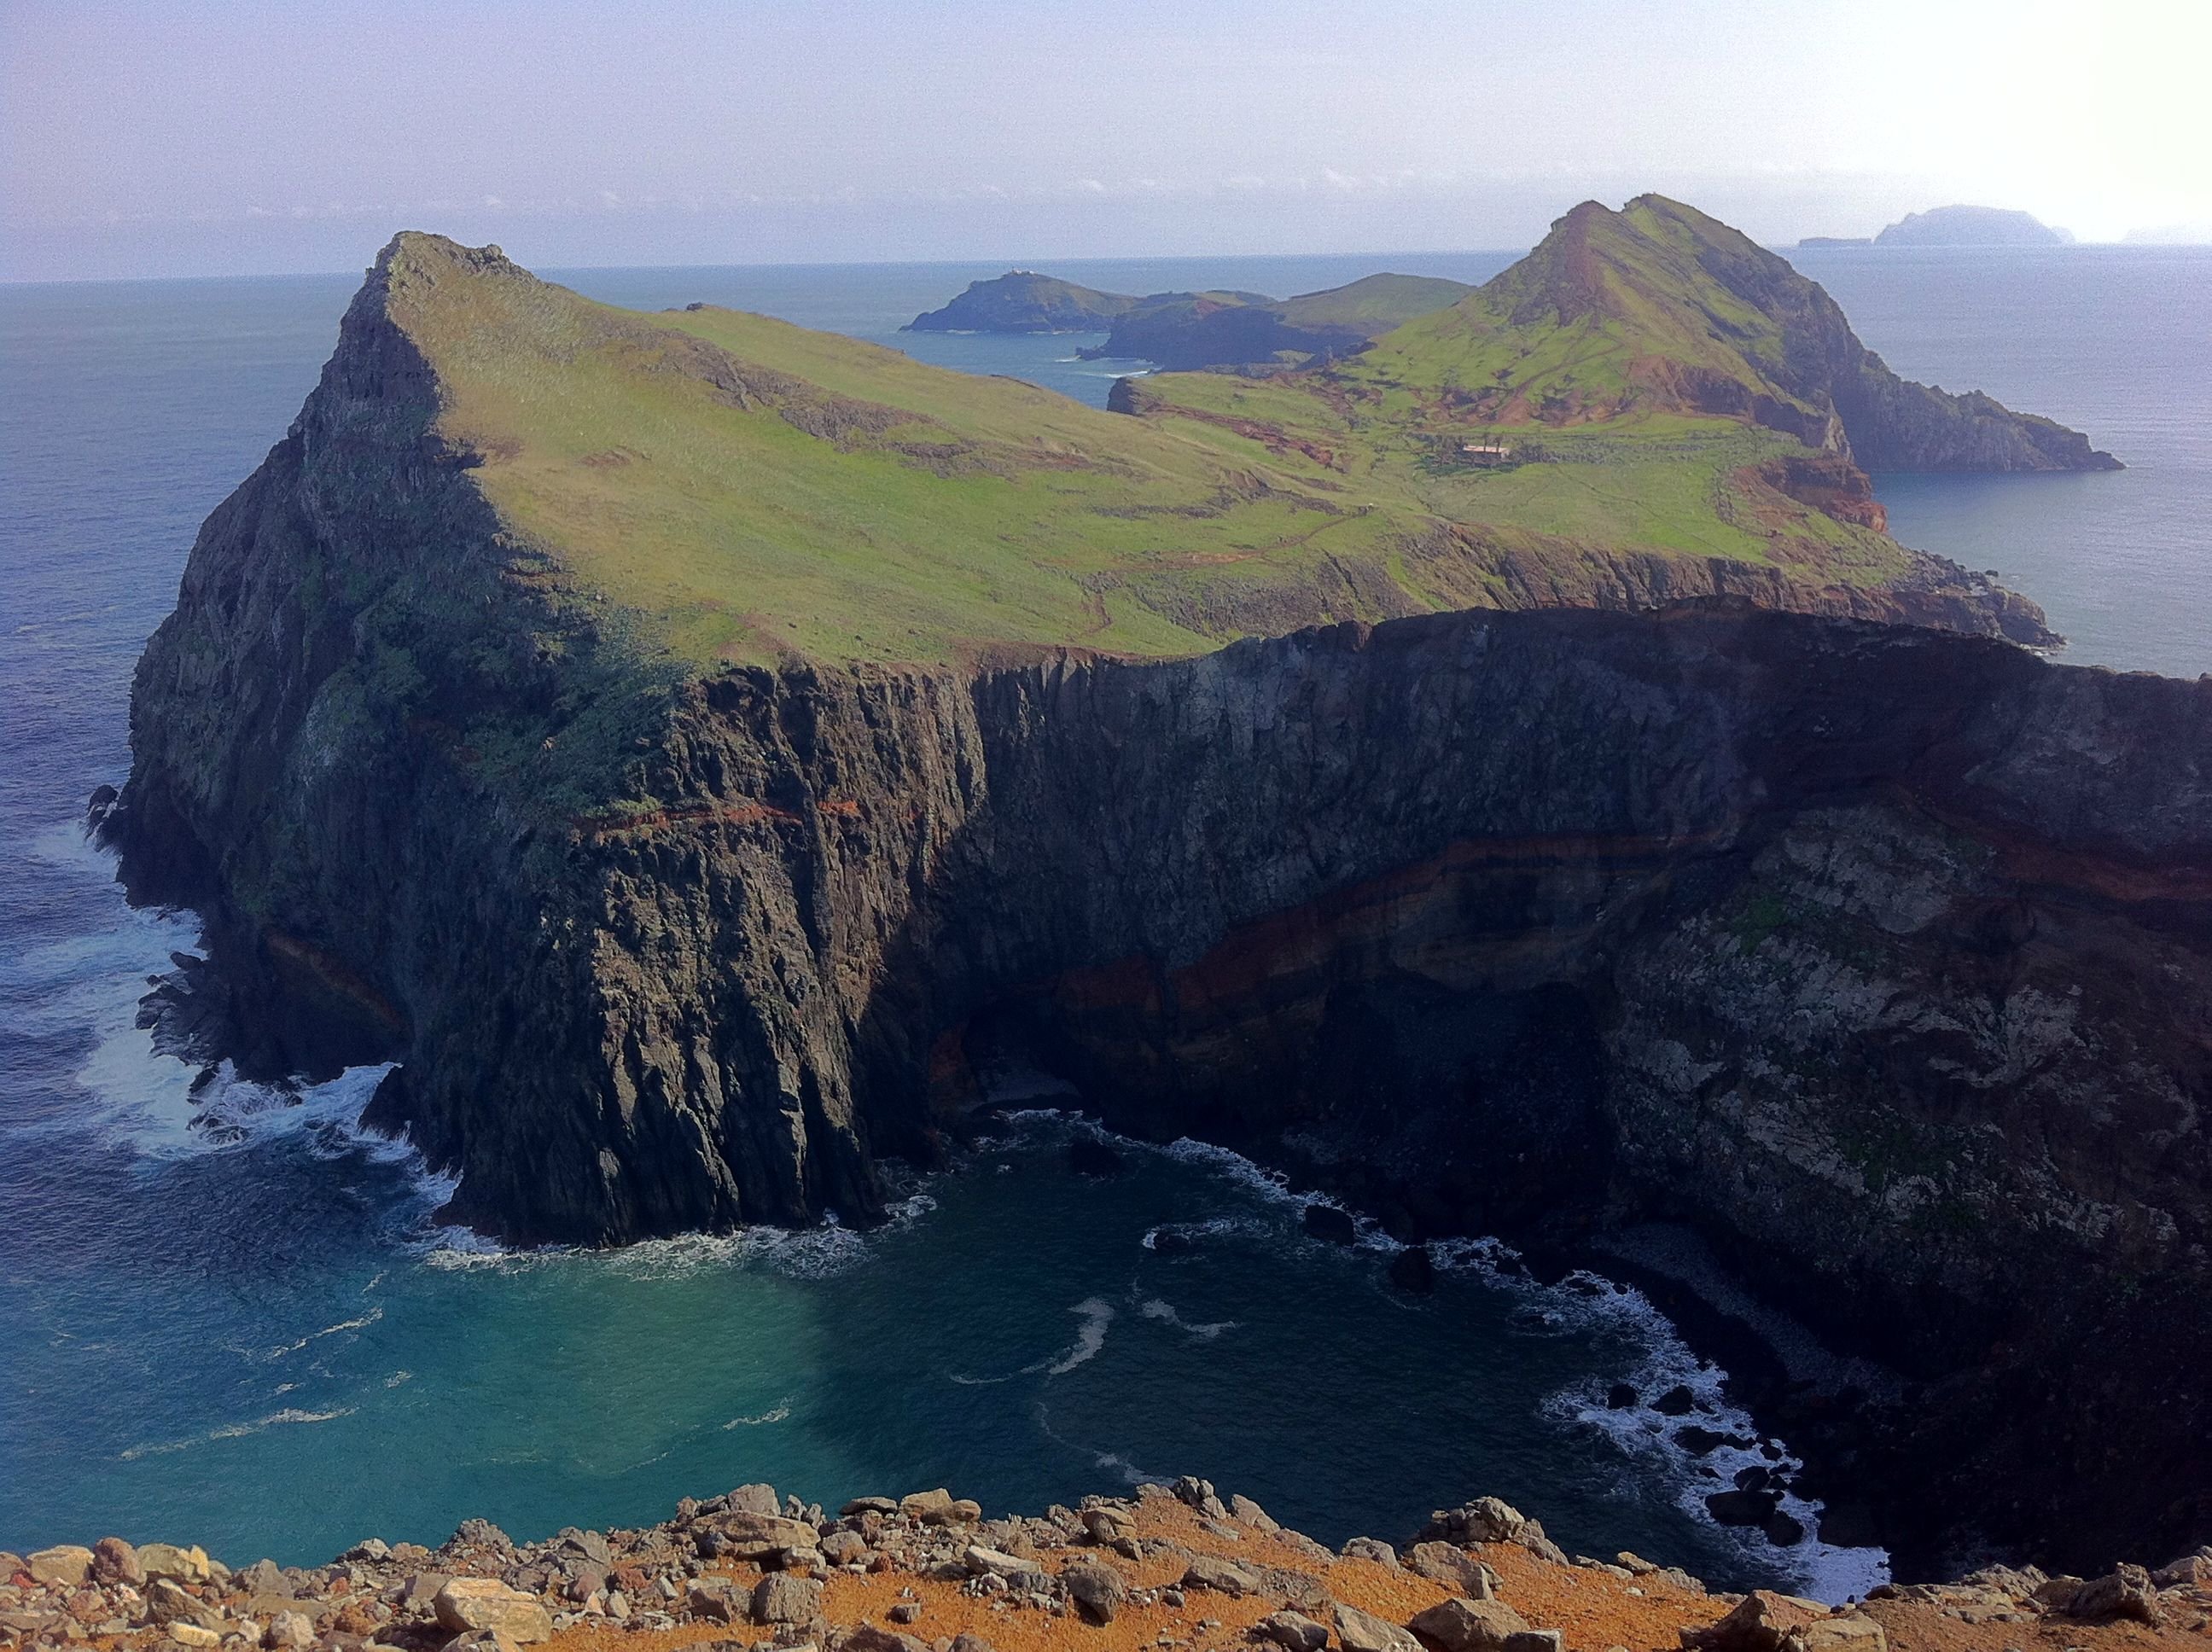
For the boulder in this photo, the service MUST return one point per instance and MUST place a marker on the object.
(1222, 1576)
(1743, 1507)
(168, 1560)
(754, 1499)
(1331, 1223)
(1455, 1568)
(785, 1598)
(185, 1633)
(867, 1637)
(1105, 1525)
(2125, 1592)
(1246, 1512)
(1097, 1591)
(845, 1549)
(368, 1550)
(114, 1561)
(290, 1631)
(1372, 1548)
(590, 1545)
(167, 1601)
(1853, 1632)
(859, 1506)
(2189, 1570)
(1292, 1632)
(1363, 1632)
(761, 1539)
(265, 1577)
(1487, 1520)
(1621, 1396)
(1414, 1271)
(1761, 1622)
(1090, 1157)
(715, 1599)
(940, 1507)
(63, 1566)
(1677, 1401)
(1463, 1625)
(472, 1603)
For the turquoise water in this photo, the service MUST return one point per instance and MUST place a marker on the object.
(257, 1338)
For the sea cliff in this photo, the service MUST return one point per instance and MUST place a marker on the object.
(1876, 957)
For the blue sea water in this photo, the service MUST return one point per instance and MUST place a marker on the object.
(265, 1343)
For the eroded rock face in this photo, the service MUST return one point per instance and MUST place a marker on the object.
(1881, 958)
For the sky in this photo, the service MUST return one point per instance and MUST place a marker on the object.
(142, 139)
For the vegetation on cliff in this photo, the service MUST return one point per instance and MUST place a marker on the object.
(730, 487)
(1182, 331)
(1645, 369)
(1194, 330)
(1022, 301)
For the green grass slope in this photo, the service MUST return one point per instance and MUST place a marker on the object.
(1373, 304)
(736, 488)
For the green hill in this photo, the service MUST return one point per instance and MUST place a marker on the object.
(730, 487)
(1649, 377)
(1022, 301)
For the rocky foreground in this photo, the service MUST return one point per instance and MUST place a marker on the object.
(1170, 1569)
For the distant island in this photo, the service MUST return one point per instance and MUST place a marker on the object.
(1187, 331)
(1956, 226)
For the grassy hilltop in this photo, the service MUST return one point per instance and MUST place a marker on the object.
(749, 488)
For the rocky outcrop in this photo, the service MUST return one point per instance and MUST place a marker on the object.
(1115, 1575)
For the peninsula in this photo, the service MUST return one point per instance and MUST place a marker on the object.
(1196, 330)
(1507, 776)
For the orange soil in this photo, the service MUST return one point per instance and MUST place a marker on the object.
(1594, 1609)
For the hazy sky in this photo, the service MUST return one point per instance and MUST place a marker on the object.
(181, 138)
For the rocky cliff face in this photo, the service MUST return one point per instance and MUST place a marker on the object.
(1891, 423)
(1881, 958)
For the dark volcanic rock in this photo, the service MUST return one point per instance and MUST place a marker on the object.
(1089, 1155)
(1414, 1270)
(1331, 1222)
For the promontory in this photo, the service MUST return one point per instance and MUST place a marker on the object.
(1507, 776)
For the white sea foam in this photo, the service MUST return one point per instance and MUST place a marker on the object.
(1585, 1301)
(775, 1414)
(1111, 1462)
(288, 1415)
(1153, 1308)
(361, 1323)
(1096, 1317)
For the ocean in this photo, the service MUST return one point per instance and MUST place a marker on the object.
(259, 1338)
